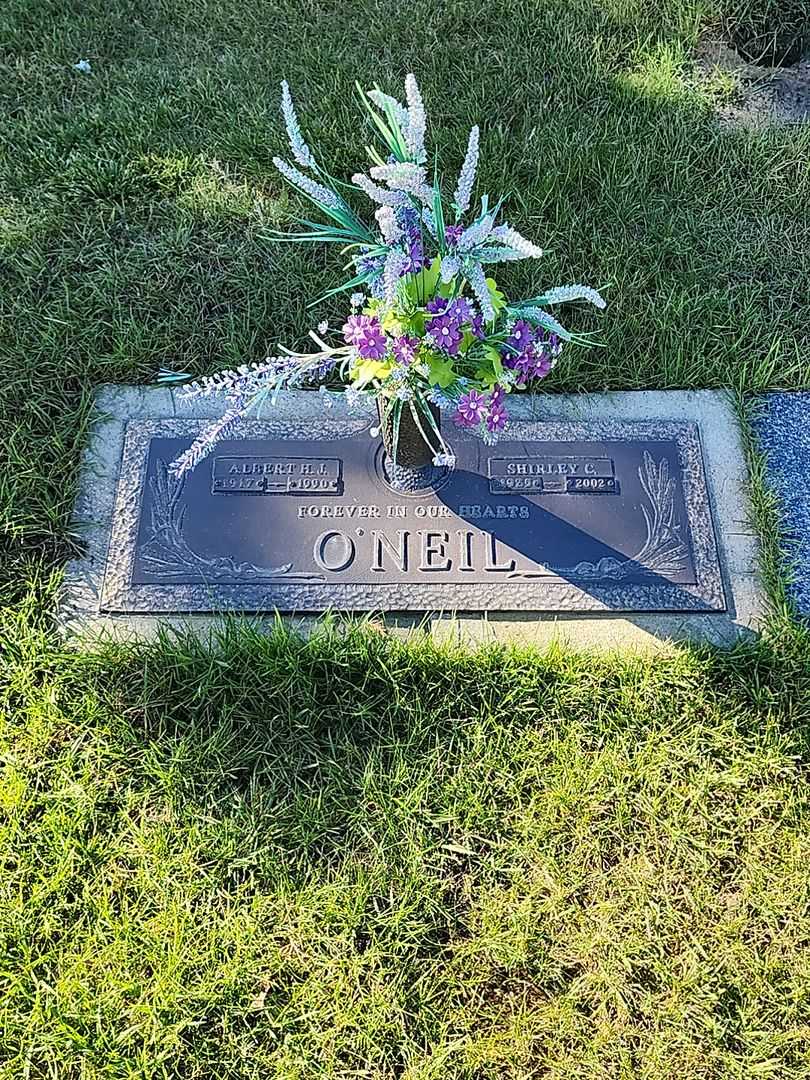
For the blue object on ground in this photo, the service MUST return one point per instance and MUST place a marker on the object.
(782, 427)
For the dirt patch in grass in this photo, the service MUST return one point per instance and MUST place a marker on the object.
(757, 94)
(770, 33)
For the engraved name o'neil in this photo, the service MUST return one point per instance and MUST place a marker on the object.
(431, 550)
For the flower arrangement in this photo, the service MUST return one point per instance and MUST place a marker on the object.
(427, 326)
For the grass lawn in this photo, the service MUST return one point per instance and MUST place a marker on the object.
(353, 857)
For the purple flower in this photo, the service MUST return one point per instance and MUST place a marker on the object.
(533, 363)
(542, 366)
(404, 349)
(320, 371)
(446, 333)
(460, 309)
(452, 234)
(521, 336)
(355, 328)
(497, 417)
(477, 325)
(536, 361)
(437, 305)
(374, 346)
(549, 340)
(364, 332)
(471, 408)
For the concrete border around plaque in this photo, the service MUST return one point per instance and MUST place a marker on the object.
(688, 468)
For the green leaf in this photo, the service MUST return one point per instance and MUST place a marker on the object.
(496, 296)
(416, 324)
(396, 130)
(422, 286)
(440, 371)
(389, 132)
(494, 357)
(438, 215)
(353, 227)
(365, 371)
(315, 238)
(393, 323)
(467, 342)
(491, 367)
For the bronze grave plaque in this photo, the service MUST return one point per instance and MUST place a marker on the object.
(610, 516)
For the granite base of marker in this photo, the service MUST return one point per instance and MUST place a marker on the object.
(783, 435)
(80, 615)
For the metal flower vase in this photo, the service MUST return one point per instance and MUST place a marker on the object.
(408, 455)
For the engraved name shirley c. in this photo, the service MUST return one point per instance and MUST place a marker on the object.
(552, 474)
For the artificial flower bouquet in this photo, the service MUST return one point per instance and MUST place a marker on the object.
(427, 327)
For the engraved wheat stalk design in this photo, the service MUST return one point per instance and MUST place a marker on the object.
(168, 554)
(664, 549)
